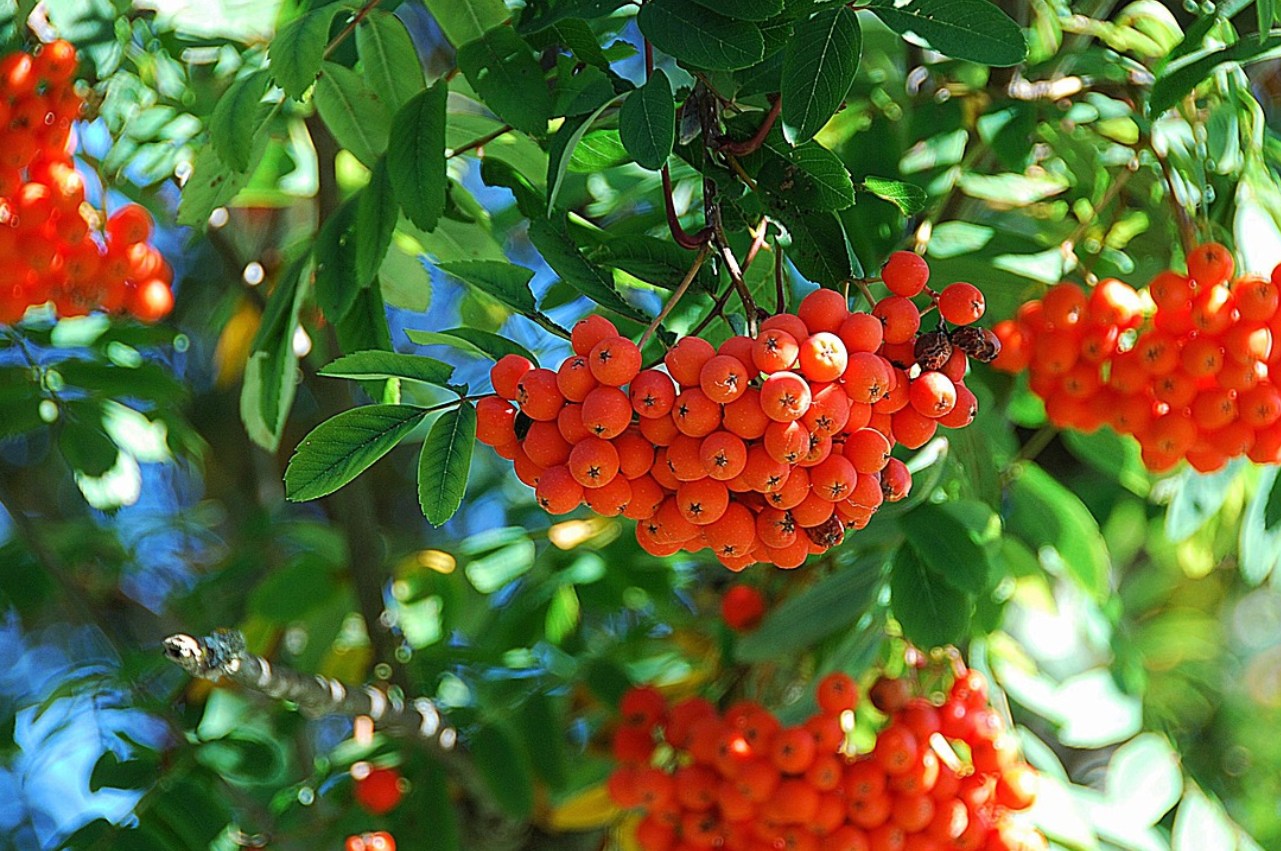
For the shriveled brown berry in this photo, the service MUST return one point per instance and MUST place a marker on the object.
(933, 350)
(979, 343)
(827, 534)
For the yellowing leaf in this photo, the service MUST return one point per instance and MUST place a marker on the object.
(590, 809)
(625, 834)
(232, 351)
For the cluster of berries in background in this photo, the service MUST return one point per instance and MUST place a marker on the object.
(766, 449)
(378, 791)
(1192, 381)
(57, 248)
(378, 840)
(944, 775)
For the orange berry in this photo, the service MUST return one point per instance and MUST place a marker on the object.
(793, 750)
(775, 350)
(1256, 298)
(776, 528)
(963, 413)
(652, 394)
(685, 459)
(538, 394)
(823, 357)
(905, 273)
(792, 493)
(611, 499)
(495, 421)
(695, 414)
(589, 331)
(635, 454)
(912, 428)
(740, 348)
(733, 533)
(506, 374)
(745, 417)
(789, 322)
(1170, 290)
(569, 422)
(1064, 305)
(557, 491)
(812, 511)
(762, 473)
(615, 361)
(896, 750)
(961, 304)
(593, 462)
(868, 450)
(723, 378)
(834, 478)
(545, 445)
(702, 502)
(933, 394)
(867, 378)
(1248, 341)
(837, 692)
(785, 396)
(1260, 406)
(607, 412)
(786, 441)
(150, 301)
(723, 455)
(1213, 310)
(823, 310)
(660, 431)
(742, 608)
(129, 225)
(647, 495)
(685, 360)
(900, 319)
(1201, 356)
(1210, 264)
(379, 791)
(1113, 302)
(574, 379)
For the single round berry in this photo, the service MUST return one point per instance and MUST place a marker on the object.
(961, 304)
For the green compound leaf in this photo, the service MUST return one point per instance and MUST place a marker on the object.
(343, 447)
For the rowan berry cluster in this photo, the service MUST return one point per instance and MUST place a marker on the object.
(765, 449)
(1191, 381)
(741, 781)
(55, 250)
(379, 840)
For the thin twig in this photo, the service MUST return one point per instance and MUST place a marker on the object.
(479, 143)
(736, 277)
(740, 171)
(676, 296)
(224, 655)
(351, 26)
(863, 288)
(748, 146)
(780, 288)
(758, 241)
(718, 309)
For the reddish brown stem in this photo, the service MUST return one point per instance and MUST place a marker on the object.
(748, 146)
(683, 239)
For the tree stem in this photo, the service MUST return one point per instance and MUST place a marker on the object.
(676, 296)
